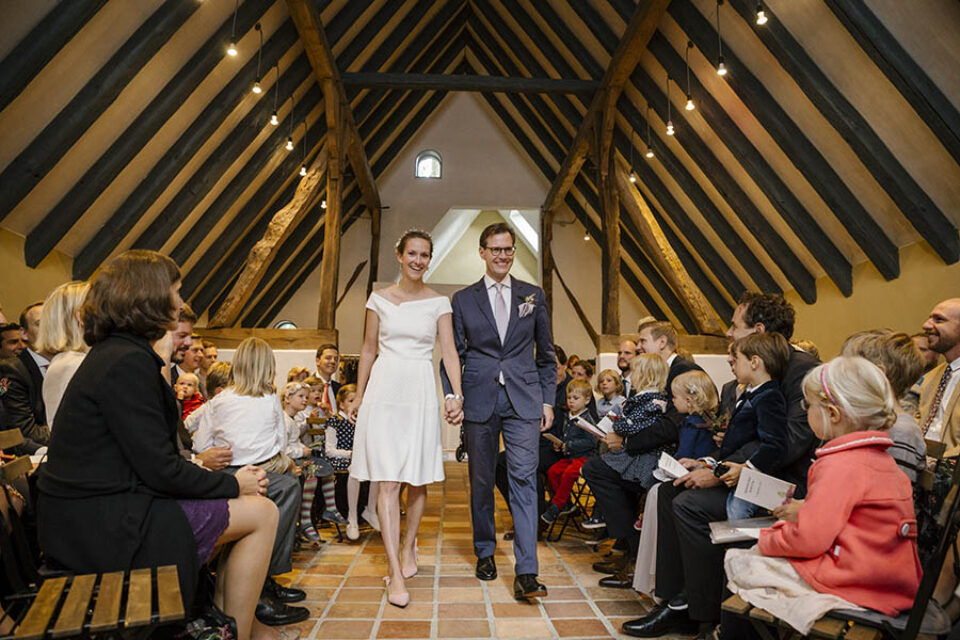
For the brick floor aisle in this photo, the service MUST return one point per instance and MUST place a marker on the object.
(345, 592)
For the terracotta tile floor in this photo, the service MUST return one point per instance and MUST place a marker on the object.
(345, 592)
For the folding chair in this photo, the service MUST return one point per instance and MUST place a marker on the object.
(582, 498)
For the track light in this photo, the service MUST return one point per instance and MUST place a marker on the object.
(289, 145)
(273, 119)
(257, 88)
(232, 47)
(303, 170)
(761, 15)
(721, 68)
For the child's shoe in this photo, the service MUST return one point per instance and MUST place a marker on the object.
(595, 521)
(569, 508)
(333, 516)
(310, 533)
(353, 531)
(551, 514)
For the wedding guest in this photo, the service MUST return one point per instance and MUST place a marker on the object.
(61, 335)
(610, 387)
(577, 445)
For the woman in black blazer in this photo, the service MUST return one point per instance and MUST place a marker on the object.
(115, 494)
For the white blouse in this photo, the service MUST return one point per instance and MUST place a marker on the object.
(58, 376)
(253, 427)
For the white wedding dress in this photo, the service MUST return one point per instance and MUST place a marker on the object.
(398, 425)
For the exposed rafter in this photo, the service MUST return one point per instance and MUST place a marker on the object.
(477, 83)
(634, 41)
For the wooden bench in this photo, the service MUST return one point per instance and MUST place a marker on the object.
(69, 606)
(66, 607)
(823, 628)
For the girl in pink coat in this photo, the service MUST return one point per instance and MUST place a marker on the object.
(852, 542)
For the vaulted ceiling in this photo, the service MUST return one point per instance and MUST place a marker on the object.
(833, 139)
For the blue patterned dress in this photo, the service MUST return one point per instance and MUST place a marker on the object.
(635, 415)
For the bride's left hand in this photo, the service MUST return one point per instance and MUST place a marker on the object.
(453, 410)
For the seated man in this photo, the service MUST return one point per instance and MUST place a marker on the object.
(617, 498)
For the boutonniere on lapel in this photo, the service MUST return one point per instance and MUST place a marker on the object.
(527, 306)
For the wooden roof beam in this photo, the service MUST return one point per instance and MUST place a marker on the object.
(474, 83)
(307, 20)
(639, 30)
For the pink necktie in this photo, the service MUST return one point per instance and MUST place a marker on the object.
(500, 312)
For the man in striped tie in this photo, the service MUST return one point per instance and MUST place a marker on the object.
(939, 410)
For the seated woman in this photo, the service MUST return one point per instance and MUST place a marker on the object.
(61, 334)
(853, 541)
(114, 479)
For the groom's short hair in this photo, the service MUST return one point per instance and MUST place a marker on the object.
(495, 230)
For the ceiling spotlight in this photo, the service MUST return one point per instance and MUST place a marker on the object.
(761, 15)
(303, 170)
(256, 87)
(274, 120)
(232, 49)
(289, 145)
(721, 68)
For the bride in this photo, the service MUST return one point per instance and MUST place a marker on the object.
(398, 425)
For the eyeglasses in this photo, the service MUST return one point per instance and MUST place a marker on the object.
(502, 251)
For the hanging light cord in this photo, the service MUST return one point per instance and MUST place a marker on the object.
(719, 39)
(276, 94)
(233, 30)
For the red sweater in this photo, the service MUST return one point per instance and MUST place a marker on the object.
(855, 535)
(191, 404)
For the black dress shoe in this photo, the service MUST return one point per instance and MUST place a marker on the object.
(486, 568)
(659, 622)
(278, 593)
(526, 586)
(622, 579)
(275, 614)
(608, 567)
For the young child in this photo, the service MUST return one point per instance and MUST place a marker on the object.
(757, 431)
(853, 541)
(188, 392)
(610, 388)
(246, 416)
(338, 449)
(577, 446)
(298, 374)
(294, 399)
(648, 375)
(314, 387)
(218, 377)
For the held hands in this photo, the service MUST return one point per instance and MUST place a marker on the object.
(613, 440)
(453, 410)
(697, 479)
(731, 477)
(547, 420)
(252, 480)
(788, 511)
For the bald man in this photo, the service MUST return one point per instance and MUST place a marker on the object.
(939, 409)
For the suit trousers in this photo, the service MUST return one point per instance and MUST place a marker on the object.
(686, 559)
(521, 442)
(547, 458)
(284, 491)
(617, 498)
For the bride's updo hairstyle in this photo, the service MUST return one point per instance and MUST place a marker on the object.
(411, 234)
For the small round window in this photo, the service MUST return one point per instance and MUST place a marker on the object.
(285, 324)
(429, 164)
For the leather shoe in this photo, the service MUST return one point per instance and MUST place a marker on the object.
(273, 590)
(486, 568)
(659, 622)
(275, 614)
(609, 567)
(526, 586)
(622, 579)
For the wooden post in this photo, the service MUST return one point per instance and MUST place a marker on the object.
(374, 249)
(610, 250)
(330, 266)
(546, 259)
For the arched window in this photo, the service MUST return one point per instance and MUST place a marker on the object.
(285, 324)
(429, 164)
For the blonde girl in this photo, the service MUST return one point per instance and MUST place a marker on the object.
(294, 400)
(610, 388)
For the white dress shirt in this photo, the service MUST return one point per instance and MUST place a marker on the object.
(936, 427)
(253, 427)
(42, 362)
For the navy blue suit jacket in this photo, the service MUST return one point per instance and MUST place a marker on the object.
(526, 356)
(757, 430)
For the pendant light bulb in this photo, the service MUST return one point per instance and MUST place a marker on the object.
(669, 127)
(273, 119)
(303, 170)
(689, 106)
(323, 204)
(649, 153)
(257, 89)
(586, 237)
(761, 15)
(633, 177)
(289, 144)
(232, 50)
(721, 68)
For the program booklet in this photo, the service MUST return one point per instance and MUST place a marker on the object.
(589, 427)
(727, 531)
(671, 467)
(763, 490)
(552, 438)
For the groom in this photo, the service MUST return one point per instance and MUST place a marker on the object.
(502, 329)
